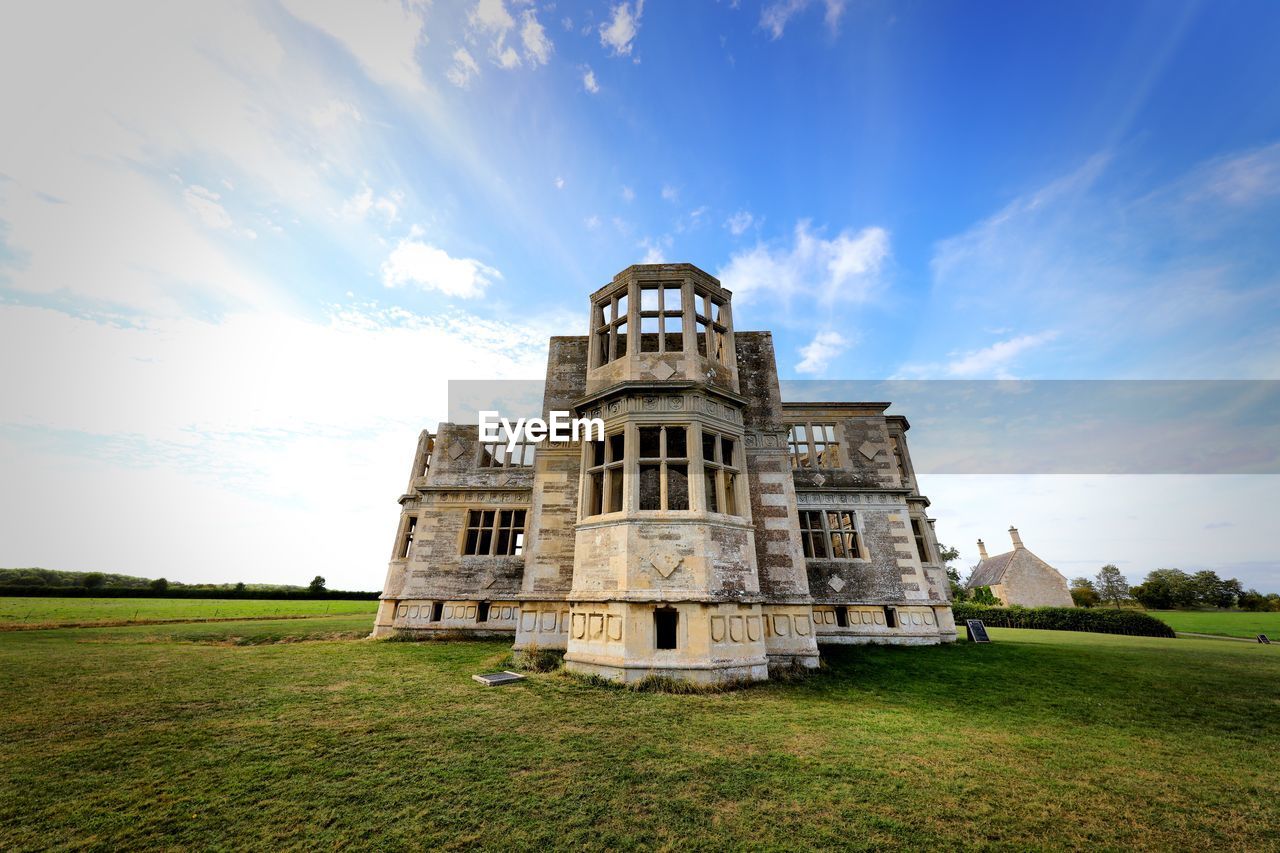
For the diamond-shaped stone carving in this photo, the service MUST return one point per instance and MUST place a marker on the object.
(818, 479)
(663, 371)
(489, 581)
(456, 449)
(836, 583)
(868, 450)
(665, 564)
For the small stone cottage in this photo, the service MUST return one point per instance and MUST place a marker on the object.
(1019, 577)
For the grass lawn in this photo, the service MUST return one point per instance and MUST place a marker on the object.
(180, 736)
(1227, 623)
(17, 612)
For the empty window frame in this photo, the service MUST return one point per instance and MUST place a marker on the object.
(661, 318)
(497, 455)
(437, 610)
(405, 545)
(711, 325)
(663, 467)
(922, 544)
(666, 622)
(842, 617)
(482, 612)
(609, 327)
(605, 474)
(494, 533)
(720, 473)
(891, 617)
(898, 459)
(830, 535)
(813, 445)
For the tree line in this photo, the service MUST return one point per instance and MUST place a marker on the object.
(1163, 589)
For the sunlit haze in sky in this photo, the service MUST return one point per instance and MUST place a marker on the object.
(243, 246)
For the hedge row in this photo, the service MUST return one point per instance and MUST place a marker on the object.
(128, 592)
(1099, 620)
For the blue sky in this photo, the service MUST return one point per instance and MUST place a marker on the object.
(243, 246)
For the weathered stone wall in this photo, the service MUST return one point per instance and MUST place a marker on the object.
(1034, 584)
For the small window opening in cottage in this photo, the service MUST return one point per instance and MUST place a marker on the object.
(482, 612)
(842, 617)
(406, 539)
(891, 617)
(437, 610)
(665, 622)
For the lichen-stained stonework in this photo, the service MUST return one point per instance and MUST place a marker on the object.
(715, 532)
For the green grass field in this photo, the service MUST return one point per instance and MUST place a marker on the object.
(195, 735)
(1226, 623)
(17, 612)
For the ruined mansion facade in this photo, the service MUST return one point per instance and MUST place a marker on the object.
(714, 532)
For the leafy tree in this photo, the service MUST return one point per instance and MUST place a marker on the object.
(1113, 589)
(984, 595)
(1209, 590)
(317, 585)
(240, 587)
(1084, 593)
(1253, 600)
(947, 555)
(1165, 589)
(95, 580)
(160, 585)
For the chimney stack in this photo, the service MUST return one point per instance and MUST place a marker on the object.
(1017, 540)
(982, 550)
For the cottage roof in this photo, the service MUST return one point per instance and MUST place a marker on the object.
(991, 570)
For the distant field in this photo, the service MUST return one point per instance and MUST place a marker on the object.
(1227, 623)
(192, 736)
(66, 612)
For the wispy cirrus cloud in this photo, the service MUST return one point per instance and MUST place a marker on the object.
(775, 15)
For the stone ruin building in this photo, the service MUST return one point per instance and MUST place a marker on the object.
(1019, 577)
(715, 532)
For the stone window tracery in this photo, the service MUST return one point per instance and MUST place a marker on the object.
(494, 533)
(830, 535)
(605, 474)
(609, 327)
(661, 318)
(664, 468)
(813, 445)
(720, 472)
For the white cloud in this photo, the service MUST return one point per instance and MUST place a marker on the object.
(537, 47)
(619, 33)
(491, 16)
(464, 68)
(591, 222)
(491, 20)
(382, 35)
(204, 203)
(739, 222)
(332, 113)
(430, 268)
(589, 81)
(775, 15)
(559, 182)
(670, 193)
(991, 362)
(628, 194)
(846, 268)
(653, 254)
(819, 352)
(363, 203)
